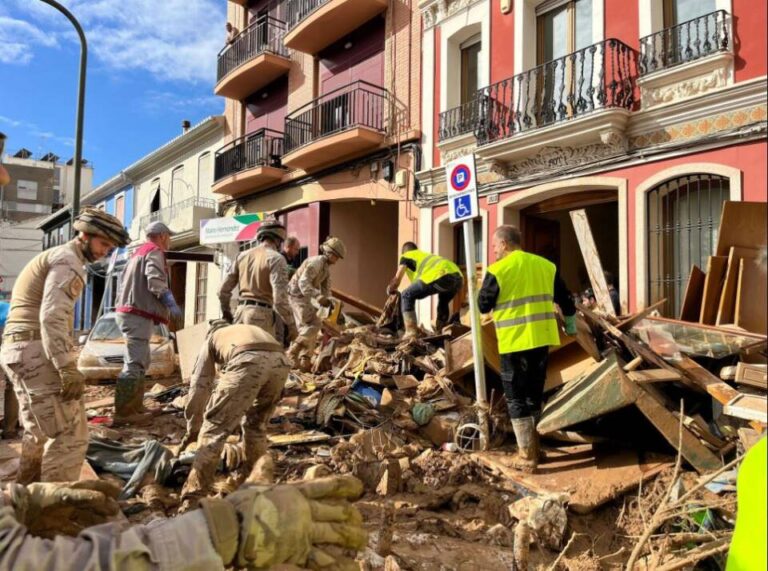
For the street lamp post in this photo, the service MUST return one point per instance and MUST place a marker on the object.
(79, 119)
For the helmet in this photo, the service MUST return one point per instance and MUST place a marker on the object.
(97, 222)
(271, 229)
(333, 245)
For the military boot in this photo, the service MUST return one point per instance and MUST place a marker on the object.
(411, 325)
(527, 457)
(305, 364)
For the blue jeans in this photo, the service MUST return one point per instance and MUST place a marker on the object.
(445, 288)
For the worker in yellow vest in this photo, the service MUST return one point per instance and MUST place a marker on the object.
(748, 549)
(521, 289)
(429, 275)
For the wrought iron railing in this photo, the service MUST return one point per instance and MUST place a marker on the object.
(168, 214)
(599, 76)
(261, 148)
(464, 118)
(685, 42)
(297, 10)
(359, 104)
(265, 35)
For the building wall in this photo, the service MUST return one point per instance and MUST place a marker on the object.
(749, 22)
(19, 243)
(17, 206)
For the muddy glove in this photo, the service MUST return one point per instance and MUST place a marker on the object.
(325, 302)
(50, 509)
(305, 524)
(570, 324)
(392, 287)
(72, 382)
(170, 302)
(227, 316)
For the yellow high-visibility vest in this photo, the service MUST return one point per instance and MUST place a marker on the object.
(748, 547)
(525, 310)
(429, 267)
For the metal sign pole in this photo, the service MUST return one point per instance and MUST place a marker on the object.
(477, 332)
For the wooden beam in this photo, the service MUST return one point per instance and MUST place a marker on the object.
(640, 315)
(357, 302)
(653, 376)
(592, 260)
(726, 310)
(752, 298)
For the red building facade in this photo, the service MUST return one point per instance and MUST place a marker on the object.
(647, 113)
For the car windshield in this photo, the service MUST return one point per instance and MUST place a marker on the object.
(106, 329)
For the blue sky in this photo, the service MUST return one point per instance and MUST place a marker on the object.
(152, 63)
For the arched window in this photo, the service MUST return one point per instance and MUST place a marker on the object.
(204, 171)
(178, 184)
(683, 222)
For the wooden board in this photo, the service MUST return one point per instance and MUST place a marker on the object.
(727, 310)
(591, 475)
(566, 365)
(653, 376)
(748, 407)
(713, 287)
(752, 298)
(753, 375)
(592, 260)
(691, 307)
(189, 341)
(742, 224)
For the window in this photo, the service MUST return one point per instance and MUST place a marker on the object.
(177, 184)
(563, 29)
(683, 221)
(204, 178)
(679, 11)
(120, 207)
(690, 33)
(26, 189)
(470, 68)
(201, 293)
(154, 204)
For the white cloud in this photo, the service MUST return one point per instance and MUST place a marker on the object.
(167, 101)
(18, 39)
(173, 40)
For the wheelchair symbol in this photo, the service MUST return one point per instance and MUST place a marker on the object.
(462, 206)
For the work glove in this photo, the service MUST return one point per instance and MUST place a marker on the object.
(325, 302)
(392, 287)
(170, 302)
(50, 509)
(227, 316)
(72, 382)
(570, 324)
(307, 524)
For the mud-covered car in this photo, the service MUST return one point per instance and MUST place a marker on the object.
(102, 355)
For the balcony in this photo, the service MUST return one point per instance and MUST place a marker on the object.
(256, 58)
(689, 59)
(340, 125)
(316, 24)
(183, 218)
(249, 163)
(584, 97)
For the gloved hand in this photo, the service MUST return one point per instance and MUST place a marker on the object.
(570, 324)
(72, 382)
(325, 301)
(227, 316)
(392, 287)
(49, 509)
(287, 524)
(170, 302)
(293, 333)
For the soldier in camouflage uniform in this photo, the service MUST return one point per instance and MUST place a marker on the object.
(312, 281)
(253, 372)
(37, 351)
(261, 274)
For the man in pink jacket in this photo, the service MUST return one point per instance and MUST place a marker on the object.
(143, 299)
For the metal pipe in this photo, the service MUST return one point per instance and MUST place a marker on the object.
(79, 119)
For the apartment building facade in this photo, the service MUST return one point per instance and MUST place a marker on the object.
(323, 126)
(647, 113)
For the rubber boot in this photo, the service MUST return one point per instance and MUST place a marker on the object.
(129, 401)
(527, 457)
(411, 325)
(439, 324)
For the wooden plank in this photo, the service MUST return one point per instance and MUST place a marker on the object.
(358, 303)
(691, 307)
(189, 340)
(653, 376)
(722, 392)
(742, 224)
(651, 404)
(592, 260)
(640, 315)
(752, 298)
(566, 365)
(748, 407)
(590, 475)
(713, 287)
(727, 310)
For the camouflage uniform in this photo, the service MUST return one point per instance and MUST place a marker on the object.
(253, 373)
(36, 345)
(311, 281)
(261, 274)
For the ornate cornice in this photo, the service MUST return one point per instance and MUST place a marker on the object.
(435, 11)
